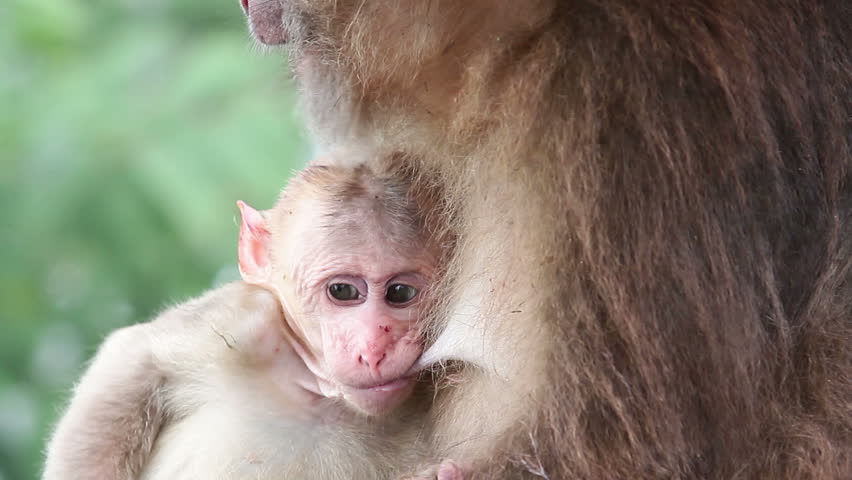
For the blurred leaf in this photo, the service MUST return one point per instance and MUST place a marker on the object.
(129, 129)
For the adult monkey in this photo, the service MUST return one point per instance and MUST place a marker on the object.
(653, 201)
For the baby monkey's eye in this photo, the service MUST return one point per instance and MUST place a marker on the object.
(343, 291)
(400, 293)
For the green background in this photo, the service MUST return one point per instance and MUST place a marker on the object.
(128, 130)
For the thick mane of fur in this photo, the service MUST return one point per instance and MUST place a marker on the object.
(706, 191)
(671, 189)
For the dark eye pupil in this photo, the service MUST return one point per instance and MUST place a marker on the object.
(400, 293)
(343, 291)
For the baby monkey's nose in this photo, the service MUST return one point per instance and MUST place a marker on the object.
(372, 359)
(375, 349)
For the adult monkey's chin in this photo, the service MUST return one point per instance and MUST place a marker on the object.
(265, 20)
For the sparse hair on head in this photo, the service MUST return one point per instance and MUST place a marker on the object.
(355, 201)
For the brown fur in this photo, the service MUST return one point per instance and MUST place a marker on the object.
(656, 192)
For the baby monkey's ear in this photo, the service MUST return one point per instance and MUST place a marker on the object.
(253, 246)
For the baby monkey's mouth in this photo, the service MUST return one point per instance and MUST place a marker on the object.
(392, 385)
(383, 385)
(380, 397)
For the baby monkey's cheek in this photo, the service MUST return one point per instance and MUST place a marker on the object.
(336, 341)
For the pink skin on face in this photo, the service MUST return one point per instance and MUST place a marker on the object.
(370, 343)
(265, 19)
(362, 340)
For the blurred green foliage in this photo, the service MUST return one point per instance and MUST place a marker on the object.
(128, 129)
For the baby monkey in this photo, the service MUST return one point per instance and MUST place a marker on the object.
(348, 257)
(260, 379)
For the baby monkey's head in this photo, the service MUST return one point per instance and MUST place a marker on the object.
(347, 251)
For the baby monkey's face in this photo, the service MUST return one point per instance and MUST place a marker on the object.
(354, 299)
(359, 309)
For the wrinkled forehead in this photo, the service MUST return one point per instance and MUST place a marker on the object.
(354, 208)
(311, 229)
